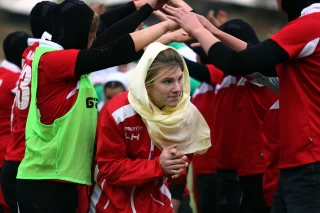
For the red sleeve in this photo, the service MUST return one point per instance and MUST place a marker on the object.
(299, 38)
(113, 162)
(59, 65)
(13, 82)
(216, 75)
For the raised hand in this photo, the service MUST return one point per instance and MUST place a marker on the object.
(187, 20)
(98, 8)
(157, 4)
(220, 19)
(207, 24)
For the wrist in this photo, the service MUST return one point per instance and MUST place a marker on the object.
(198, 31)
(152, 3)
(140, 3)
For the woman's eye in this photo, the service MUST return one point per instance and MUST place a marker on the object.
(167, 81)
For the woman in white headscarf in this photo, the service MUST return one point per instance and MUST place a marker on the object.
(145, 134)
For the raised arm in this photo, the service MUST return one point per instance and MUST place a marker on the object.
(121, 51)
(262, 57)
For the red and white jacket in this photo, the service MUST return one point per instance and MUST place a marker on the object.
(203, 98)
(128, 175)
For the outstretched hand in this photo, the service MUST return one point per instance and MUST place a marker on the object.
(187, 20)
(207, 24)
(157, 4)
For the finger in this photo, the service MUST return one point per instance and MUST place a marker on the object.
(171, 147)
(193, 45)
(175, 19)
(172, 11)
(186, 164)
(176, 167)
(175, 176)
(176, 162)
(178, 155)
(173, 151)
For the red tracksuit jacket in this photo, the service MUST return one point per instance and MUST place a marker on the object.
(128, 175)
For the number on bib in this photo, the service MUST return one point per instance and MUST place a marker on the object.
(23, 92)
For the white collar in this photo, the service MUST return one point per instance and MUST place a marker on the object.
(10, 66)
(314, 8)
(44, 43)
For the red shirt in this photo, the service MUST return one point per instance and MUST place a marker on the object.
(9, 74)
(225, 122)
(203, 99)
(299, 90)
(271, 129)
(252, 104)
(56, 94)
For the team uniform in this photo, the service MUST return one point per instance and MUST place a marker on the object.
(252, 103)
(299, 115)
(128, 175)
(271, 129)
(204, 166)
(9, 74)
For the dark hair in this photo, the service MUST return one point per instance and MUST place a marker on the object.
(14, 45)
(113, 84)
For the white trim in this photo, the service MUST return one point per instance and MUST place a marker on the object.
(243, 80)
(314, 8)
(73, 91)
(132, 200)
(203, 88)
(226, 82)
(309, 48)
(156, 200)
(165, 190)
(10, 66)
(107, 204)
(44, 43)
(123, 113)
(275, 105)
(97, 191)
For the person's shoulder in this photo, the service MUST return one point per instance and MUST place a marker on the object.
(117, 102)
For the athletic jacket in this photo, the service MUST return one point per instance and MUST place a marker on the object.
(128, 175)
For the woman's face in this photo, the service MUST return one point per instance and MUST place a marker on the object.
(279, 5)
(167, 88)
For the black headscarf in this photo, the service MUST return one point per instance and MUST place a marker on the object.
(241, 30)
(40, 18)
(71, 21)
(14, 45)
(294, 7)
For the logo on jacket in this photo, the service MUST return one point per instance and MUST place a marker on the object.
(91, 102)
(133, 128)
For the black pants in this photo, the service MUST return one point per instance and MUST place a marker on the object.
(9, 184)
(41, 196)
(299, 190)
(207, 190)
(185, 205)
(229, 195)
(253, 199)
